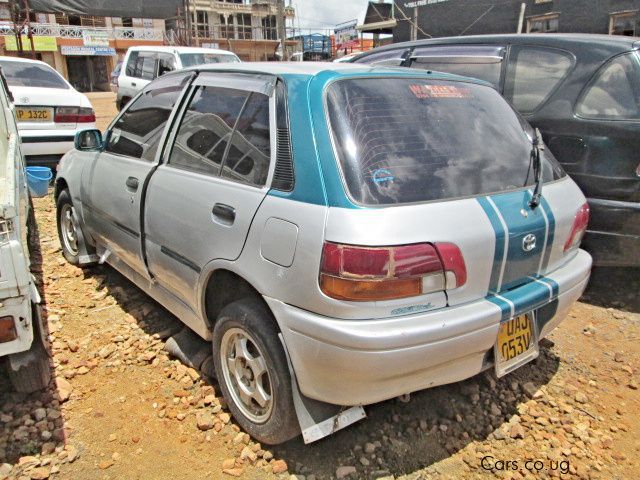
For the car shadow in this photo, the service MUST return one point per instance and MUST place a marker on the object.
(433, 425)
(614, 287)
(33, 423)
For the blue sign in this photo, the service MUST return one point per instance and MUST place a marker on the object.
(88, 51)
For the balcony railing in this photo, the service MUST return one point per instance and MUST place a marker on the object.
(75, 31)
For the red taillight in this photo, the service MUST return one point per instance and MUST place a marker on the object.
(454, 266)
(578, 229)
(383, 273)
(74, 115)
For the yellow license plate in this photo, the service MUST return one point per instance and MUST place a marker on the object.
(517, 344)
(515, 338)
(34, 114)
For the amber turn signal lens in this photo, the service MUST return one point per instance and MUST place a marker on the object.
(7, 330)
(370, 290)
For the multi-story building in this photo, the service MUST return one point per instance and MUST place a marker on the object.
(84, 49)
(252, 29)
(443, 18)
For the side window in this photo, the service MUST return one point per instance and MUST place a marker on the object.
(166, 63)
(482, 62)
(145, 66)
(389, 58)
(206, 129)
(532, 75)
(250, 151)
(131, 64)
(138, 131)
(615, 92)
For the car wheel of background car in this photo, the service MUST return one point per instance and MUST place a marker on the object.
(69, 232)
(33, 370)
(252, 370)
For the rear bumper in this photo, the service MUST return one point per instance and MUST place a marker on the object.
(358, 362)
(50, 142)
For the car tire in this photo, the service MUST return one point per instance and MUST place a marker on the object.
(69, 231)
(35, 370)
(246, 330)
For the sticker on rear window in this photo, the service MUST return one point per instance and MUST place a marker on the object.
(440, 91)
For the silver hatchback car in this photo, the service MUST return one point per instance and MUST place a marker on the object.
(347, 232)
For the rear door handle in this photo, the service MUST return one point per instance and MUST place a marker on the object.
(133, 84)
(225, 214)
(132, 183)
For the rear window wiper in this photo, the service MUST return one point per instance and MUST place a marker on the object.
(536, 146)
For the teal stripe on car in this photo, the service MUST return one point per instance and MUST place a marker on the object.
(499, 248)
(531, 296)
(551, 235)
(521, 221)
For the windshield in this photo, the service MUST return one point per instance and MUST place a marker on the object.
(192, 59)
(415, 140)
(25, 74)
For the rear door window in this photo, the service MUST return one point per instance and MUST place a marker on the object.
(615, 92)
(403, 140)
(477, 61)
(533, 74)
(203, 136)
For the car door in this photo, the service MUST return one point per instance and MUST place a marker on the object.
(202, 199)
(119, 174)
(485, 62)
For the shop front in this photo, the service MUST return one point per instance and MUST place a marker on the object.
(88, 68)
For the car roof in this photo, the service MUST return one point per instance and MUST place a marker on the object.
(609, 44)
(23, 60)
(176, 49)
(312, 69)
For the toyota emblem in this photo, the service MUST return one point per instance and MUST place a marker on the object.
(529, 242)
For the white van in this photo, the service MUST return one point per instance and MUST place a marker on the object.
(143, 64)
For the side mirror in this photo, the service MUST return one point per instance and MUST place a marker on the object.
(88, 140)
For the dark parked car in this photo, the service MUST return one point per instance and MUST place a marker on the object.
(583, 92)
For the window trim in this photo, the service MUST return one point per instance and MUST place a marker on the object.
(202, 82)
(593, 79)
(514, 49)
(545, 16)
(623, 13)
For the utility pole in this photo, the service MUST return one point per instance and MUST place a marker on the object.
(521, 18)
(280, 23)
(187, 21)
(414, 24)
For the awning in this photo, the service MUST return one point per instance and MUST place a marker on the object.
(109, 8)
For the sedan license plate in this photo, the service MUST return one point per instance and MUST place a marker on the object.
(34, 114)
(517, 344)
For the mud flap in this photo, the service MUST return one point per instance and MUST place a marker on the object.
(318, 419)
(84, 257)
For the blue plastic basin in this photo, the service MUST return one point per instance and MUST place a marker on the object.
(38, 179)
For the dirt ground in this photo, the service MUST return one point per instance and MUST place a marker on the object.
(121, 408)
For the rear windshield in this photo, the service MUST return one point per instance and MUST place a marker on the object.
(24, 74)
(192, 59)
(401, 140)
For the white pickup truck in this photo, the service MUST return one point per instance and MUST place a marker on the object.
(22, 337)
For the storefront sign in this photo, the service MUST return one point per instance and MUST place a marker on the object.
(40, 44)
(95, 38)
(346, 34)
(420, 3)
(88, 51)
